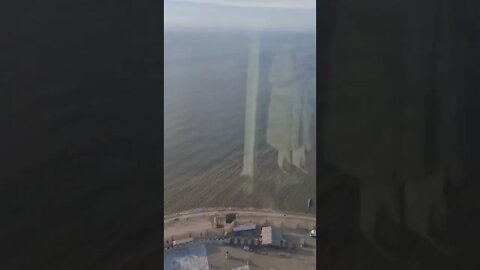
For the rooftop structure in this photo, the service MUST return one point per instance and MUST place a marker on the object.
(245, 227)
(271, 237)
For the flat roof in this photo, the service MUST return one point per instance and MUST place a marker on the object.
(270, 236)
(245, 227)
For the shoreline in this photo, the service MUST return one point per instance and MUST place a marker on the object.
(214, 210)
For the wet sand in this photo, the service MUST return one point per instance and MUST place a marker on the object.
(223, 186)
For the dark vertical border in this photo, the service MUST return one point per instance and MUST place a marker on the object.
(326, 20)
(101, 62)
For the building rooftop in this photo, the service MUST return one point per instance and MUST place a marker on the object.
(271, 236)
(189, 257)
(245, 227)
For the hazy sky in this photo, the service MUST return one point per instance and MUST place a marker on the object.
(290, 15)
